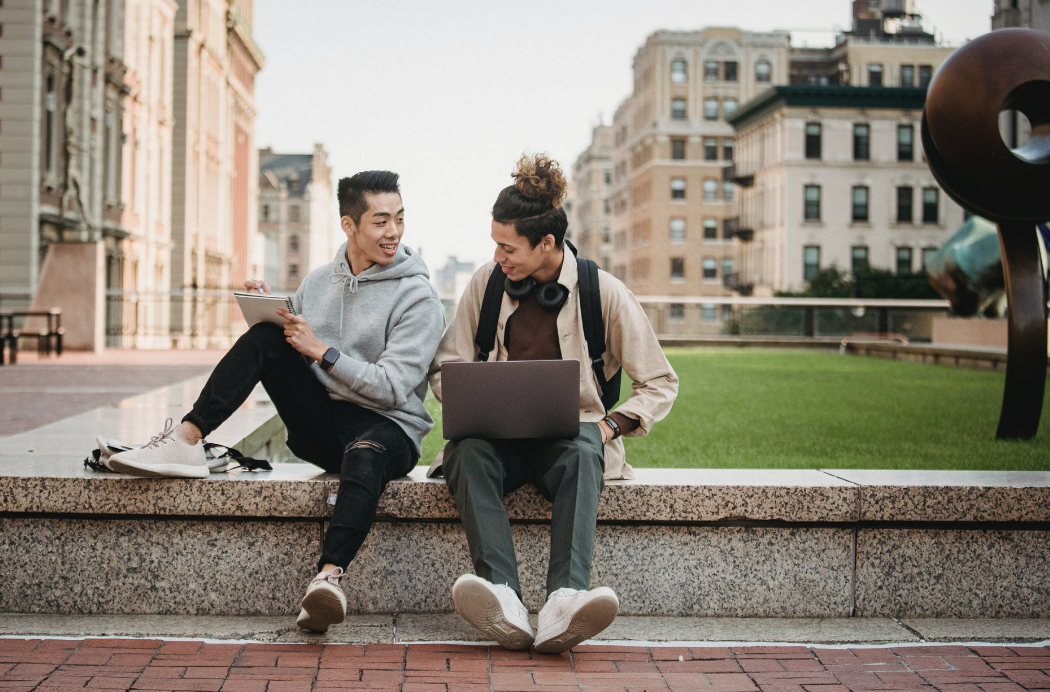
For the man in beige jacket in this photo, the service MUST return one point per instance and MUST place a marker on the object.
(529, 227)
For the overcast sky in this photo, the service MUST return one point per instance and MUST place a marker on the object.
(449, 93)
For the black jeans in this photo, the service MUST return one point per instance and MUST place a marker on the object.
(366, 449)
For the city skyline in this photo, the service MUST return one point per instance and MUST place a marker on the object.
(450, 96)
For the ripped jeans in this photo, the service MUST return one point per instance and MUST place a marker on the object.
(366, 449)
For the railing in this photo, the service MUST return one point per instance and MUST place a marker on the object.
(207, 318)
(831, 318)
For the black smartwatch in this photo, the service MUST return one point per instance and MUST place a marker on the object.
(328, 359)
(608, 420)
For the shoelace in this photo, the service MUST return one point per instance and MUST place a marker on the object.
(516, 602)
(166, 433)
(331, 577)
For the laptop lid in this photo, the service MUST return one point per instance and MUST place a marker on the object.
(512, 399)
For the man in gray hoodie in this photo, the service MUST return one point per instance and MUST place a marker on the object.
(347, 373)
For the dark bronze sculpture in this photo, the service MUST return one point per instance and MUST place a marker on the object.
(1007, 69)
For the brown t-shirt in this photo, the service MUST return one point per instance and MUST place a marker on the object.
(537, 339)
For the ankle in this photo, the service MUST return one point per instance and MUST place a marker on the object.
(189, 433)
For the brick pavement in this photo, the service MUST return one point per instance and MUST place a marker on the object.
(150, 665)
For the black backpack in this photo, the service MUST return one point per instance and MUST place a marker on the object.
(590, 312)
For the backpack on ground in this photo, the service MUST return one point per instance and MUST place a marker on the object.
(590, 312)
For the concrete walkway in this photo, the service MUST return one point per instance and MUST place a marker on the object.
(57, 665)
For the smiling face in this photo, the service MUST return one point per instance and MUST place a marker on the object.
(519, 260)
(375, 238)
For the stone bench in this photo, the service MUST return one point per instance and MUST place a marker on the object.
(739, 543)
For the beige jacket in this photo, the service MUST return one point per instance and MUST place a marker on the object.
(629, 340)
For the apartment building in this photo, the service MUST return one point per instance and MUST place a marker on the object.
(1031, 14)
(833, 176)
(61, 112)
(215, 167)
(297, 215)
(667, 201)
(590, 210)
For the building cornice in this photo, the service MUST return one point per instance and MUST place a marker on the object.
(812, 96)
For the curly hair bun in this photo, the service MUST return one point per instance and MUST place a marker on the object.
(540, 177)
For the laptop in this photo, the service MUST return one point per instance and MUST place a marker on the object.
(511, 399)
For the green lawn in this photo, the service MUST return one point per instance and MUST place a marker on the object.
(754, 408)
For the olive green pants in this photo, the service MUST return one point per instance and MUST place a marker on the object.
(566, 472)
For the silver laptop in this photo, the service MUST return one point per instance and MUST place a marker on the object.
(511, 399)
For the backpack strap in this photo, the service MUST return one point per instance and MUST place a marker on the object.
(594, 330)
(485, 336)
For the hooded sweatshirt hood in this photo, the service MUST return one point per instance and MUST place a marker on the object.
(386, 323)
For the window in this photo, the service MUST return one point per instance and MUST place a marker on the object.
(812, 203)
(905, 142)
(266, 212)
(904, 197)
(907, 75)
(727, 149)
(861, 142)
(859, 259)
(677, 314)
(677, 269)
(677, 188)
(293, 271)
(710, 268)
(293, 243)
(727, 191)
(678, 149)
(710, 149)
(710, 70)
(860, 203)
(730, 68)
(708, 313)
(710, 229)
(727, 229)
(50, 103)
(729, 107)
(608, 177)
(727, 267)
(679, 75)
(927, 256)
(810, 262)
(930, 205)
(763, 72)
(874, 74)
(904, 260)
(710, 109)
(710, 190)
(677, 230)
(678, 109)
(925, 75)
(293, 213)
(813, 140)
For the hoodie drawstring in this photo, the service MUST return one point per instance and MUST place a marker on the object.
(349, 281)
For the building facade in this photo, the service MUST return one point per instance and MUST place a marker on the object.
(214, 220)
(297, 215)
(833, 176)
(667, 201)
(590, 210)
(139, 317)
(1032, 14)
(61, 113)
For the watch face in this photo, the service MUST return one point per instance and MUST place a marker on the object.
(330, 356)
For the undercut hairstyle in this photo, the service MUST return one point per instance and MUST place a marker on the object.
(533, 204)
(352, 190)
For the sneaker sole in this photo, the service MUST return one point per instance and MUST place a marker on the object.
(593, 617)
(482, 610)
(159, 470)
(320, 610)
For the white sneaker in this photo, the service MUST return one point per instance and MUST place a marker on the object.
(572, 616)
(108, 446)
(494, 609)
(163, 456)
(324, 604)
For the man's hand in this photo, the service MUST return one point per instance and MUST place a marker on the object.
(256, 285)
(607, 432)
(299, 333)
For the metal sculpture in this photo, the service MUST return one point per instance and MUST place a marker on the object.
(1007, 69)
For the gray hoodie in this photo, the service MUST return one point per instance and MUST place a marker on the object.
(386, 323)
